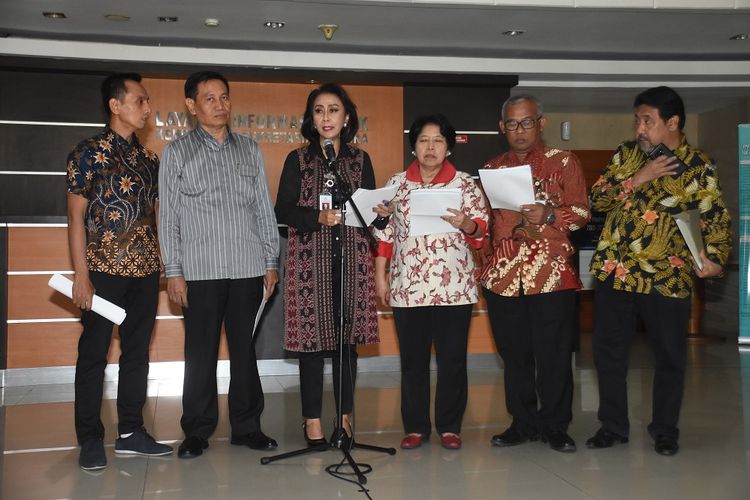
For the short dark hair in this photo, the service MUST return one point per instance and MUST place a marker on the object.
(192, 82)
(349, 132)
(446, 128)
(666, 100)
(114, 86)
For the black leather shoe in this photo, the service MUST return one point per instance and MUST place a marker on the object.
(666, 445)
(313, 443)
(604, 439)
(256, 441)
(559, 441)
(511, 437)
(192, 447)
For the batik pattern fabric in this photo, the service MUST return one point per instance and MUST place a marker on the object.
(310, 318)
(120, 181)
(640, 242)
(433, 269)
(520, 257)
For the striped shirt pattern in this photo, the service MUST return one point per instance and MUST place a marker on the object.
(216, 220)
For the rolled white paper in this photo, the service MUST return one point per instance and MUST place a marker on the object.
(100, 306)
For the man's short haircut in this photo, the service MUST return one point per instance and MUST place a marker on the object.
(192, 82)
(349, 132)
(510, 101)
(446, 128)
(114, 86)
(666, 100)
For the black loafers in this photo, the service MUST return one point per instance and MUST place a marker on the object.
(511, 437)
(559, 441)
(192, 447)
(666, 445)
(604, 439)
(256, 441)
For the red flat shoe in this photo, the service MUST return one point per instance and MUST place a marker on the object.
(450, 441)
(411, 441)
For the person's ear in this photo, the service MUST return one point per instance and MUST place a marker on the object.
(190, 103)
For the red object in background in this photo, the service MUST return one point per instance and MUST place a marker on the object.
(462, 139)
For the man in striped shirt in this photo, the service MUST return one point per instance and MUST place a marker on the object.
(220, 246)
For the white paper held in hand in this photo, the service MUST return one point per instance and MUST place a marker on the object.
(366, 200)
(508, 188)
(260, 312)
(100, 306)
(688, 222)
(427, 206)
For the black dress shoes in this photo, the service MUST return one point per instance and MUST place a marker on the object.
(559, 441)
(256, 441)
(604, 439)
(192, 447)
(313, 443)
(666, 445)
(511, 437)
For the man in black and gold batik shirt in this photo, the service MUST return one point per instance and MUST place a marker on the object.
(112, 200)
(642, 264)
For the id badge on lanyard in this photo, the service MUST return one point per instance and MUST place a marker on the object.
(325, 200)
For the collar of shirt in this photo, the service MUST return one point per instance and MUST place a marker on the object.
(122, 143)
(210, 141)
(446, 174)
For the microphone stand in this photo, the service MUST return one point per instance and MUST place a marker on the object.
(340, 440)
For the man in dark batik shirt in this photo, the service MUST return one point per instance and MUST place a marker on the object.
(112, 203)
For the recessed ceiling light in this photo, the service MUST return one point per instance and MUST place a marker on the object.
(168, 19)
(117, 17)
(513, 32)
(211, 22)
(741, 36)
(274, 25)
(54, 15)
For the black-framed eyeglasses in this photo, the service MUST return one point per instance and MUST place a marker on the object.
(526, 123)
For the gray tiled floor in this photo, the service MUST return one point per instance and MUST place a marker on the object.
(39, 459)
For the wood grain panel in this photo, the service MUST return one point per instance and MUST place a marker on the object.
(38, 249)
(29, 297)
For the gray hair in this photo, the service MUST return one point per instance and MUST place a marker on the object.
(520, 98)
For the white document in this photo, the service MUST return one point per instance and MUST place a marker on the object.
(508, 188)
(366, 200)
(688, 224)
(99, 305)
(426, 206)
(260, 312)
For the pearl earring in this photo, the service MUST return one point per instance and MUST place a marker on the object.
(413, 153)
(449, 153)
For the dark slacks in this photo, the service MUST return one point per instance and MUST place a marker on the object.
(235, 303)
(666, 321)
(311, 380)
(138, 296)
(534, 337)
(417, 328)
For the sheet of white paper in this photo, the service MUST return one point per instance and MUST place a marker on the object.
(260, 311)
(366, 200)
(99, 305)
(688, 224)
(426, 206)
(508, 188)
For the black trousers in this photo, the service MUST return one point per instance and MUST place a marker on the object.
(417, 328)
(534, 336)
(138, 296)
(311, 380)
(666, 321)
(235, 303)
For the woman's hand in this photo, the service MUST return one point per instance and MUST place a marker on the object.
(461, 221)
(330, 217)
(382, 288)
(383, 209)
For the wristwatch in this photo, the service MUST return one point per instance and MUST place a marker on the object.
(550, 218)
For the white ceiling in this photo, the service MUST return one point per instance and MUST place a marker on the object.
(570, 50)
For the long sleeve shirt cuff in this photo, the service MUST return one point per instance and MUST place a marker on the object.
(477, 242)
(173, 270)
(385, 249)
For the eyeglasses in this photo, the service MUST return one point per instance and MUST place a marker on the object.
(526, 124)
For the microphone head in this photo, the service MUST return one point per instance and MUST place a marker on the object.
(327, 142)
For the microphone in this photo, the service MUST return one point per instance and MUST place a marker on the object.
(330, 152)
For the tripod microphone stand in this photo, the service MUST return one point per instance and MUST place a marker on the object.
(340, 439)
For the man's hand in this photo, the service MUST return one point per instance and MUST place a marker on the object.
(269, 281)
(535, 213)
(83, 292)
(658, 167)
(177, 290)
(330, 217)
(710, 268)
